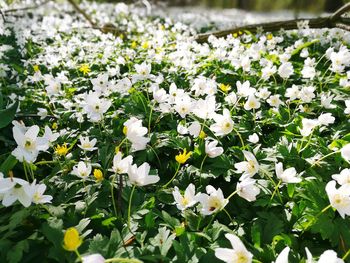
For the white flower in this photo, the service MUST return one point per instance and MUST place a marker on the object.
(231, 98)
(244, 90)
(187, 200)
(254, 138)
(293, 92)
(36, 192)
(283, 256)
(82, 170)
(29, 144)
(328, 256)
(326, 101)
(274, 101)
(238, 253)
(211, 150)
(183, 105)
(252, 103)
(95, 107)
(49, 135)
(140, 175)
(307, 94)
(286, 70)
(194, 129)
(42, 113)
(121, 165)
(143, 71)
(339, 198)
(343, 177)
(86, 144)
(288, 175)
(249, 167)
(135, 132)
(100, 84)
(223, 123)
(308, 126)
(347, 104)
(213, 201)
(94, 258)
(326, 119)
(345, 152)
(247, 189)
(12, 189)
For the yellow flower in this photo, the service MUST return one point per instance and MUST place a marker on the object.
(225, 88)
(202, 135)
(269, 36)
(98, 175)
(85, 69)
(133, 45)
(61, 150)
(36, 68)
(181, 158)
(71, 240)
(54, 125)
(145, 45)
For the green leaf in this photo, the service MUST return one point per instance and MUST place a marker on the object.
(8, 164)
(15, 254)
(7, 115)
(1, 101)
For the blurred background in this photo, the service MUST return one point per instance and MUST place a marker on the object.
(313, 6)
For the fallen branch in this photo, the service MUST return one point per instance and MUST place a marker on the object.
(82, 12)
(333, 21)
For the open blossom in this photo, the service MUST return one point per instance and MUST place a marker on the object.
(308, 126)
(238, 253)
(143, 71)
(339, 198)
(247, 189)
(36, 192)
(187, 200)
(29, 144)
(135, 133)
(283, 256)
(252, 103)
(82, 170)
(244, 89)
(93, 258)
(249, 167)
(286, 70)
(307, 94)
(254, 138)
(139, 176)
(223, 123)
(326, 119)
(86, 144)
(345, 152)
(288, 175)
(329, 256)
(211, 150)
(343, 177)
(293, 92)
(95, 107)
(121, 165)
(213, 201)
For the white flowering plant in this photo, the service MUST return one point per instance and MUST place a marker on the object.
(146, 146)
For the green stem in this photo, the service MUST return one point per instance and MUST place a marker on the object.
(25, 170)
(229, 216)
(239, 136)
(232, 194)
(324, 157)
(201, 167)
(276, 189)
(172, 179)
(346, 255)
(78, 255)
(314, 219)
(129, 208)
(126, 260)
(112, 194)
(150, 118)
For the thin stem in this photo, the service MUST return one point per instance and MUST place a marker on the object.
(150, 118)
(239, 136)
(276, 189)
(129, 208)
(112, 194)
(229, 216)
(324, 157)
(232, 194)
(346, 255)
(126, 260)
(78, 255)
(314, 219)
(201, 167)
(25, 171)
(176, 172)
